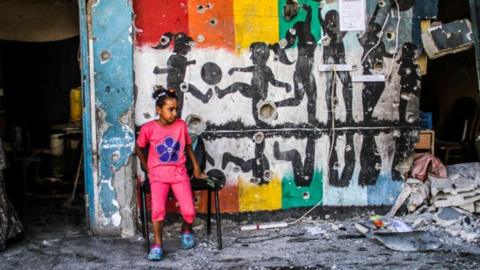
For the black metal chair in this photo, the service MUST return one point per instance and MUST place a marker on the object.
(216, 176)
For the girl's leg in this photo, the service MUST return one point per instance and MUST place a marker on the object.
(158, 232)
(159, 199)
(183, 193)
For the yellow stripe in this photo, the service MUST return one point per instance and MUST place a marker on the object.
(253, 197)
(255, 21)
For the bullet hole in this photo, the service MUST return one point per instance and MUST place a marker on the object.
(325, 40)
(408, 71)
(209, 6)
(405, 96)
(200, 9)
(108, 89)
(283, 43)
(164, 40)
(275, 58)
(267, 111)
(397, 133)
(290, 10)
(105, 55)
(200, 38)
(254, 180)
(306, 195)
(411, 119)
(195, 123)
(116, 156)
(147, 115)
(213, 21)
(183, 87)
(390, 36)
(292, 31)
(258, 137)
(236, 169)
(378, 66)
(335, 101)
(336, 166)
(381, 3)
(267, 175)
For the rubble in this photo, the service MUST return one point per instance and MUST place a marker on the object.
(446, 205)
(461, 188)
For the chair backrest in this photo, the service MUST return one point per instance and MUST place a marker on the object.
(199, 151)
(462, 121)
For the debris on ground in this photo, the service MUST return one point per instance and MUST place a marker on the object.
(448, 204)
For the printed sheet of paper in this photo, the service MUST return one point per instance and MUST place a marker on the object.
(352, 15)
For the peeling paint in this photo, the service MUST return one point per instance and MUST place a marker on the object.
(111, 24)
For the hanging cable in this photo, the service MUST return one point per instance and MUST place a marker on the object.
(399, 16)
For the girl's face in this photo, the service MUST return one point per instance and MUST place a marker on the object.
(168, 111)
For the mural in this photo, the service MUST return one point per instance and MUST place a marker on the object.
(286, 131)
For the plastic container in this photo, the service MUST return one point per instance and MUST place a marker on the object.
(76, 105)
(56, 144)
(426, 121)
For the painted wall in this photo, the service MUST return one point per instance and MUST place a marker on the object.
(284, 133)
(109, 141)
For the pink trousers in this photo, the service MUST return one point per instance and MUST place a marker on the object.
(182, 192)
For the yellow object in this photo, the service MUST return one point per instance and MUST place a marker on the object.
(255, 21)
(76, 105)
(254, 197)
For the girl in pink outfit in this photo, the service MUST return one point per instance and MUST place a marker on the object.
(167, 140)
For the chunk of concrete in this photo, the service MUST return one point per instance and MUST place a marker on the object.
(442, 39)
(446, 200)
(448, 216)
(462, 179)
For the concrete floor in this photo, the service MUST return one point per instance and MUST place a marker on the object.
(56, 239)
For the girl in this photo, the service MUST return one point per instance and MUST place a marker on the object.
(168, 140)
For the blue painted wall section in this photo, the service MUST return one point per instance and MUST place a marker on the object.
(87, 127)
(113, 79)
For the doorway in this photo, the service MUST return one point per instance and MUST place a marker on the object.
(40, 110)
(450, 93)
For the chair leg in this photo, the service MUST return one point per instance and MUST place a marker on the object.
(219, 225)
(447, 155)
(209, 211)
(145, 220)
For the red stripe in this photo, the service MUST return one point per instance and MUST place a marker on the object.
(153, 18)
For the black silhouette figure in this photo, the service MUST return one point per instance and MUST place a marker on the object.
(334, 53)
(304, 81)
(370, 161)
(259, 165)
(177, 65)
(372, 58)
(409, 79)
(342, 180)
(262, 76)
(303, 173)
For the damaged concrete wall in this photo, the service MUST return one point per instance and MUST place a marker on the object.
(110, 40)
(38, 20)
(286, 127)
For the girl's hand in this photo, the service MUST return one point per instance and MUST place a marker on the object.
(199, 174)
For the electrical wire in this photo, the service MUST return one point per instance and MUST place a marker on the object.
(379, 39)
(331, 135)
(396, 42)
